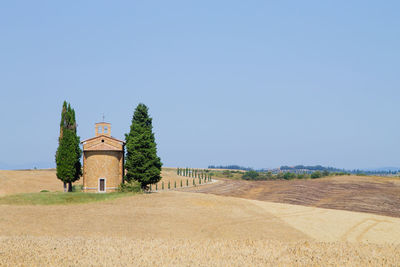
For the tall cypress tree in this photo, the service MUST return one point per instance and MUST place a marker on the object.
(142, 163)
(68, 153)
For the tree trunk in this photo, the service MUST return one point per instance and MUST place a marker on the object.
(65, 187)
(69, 187)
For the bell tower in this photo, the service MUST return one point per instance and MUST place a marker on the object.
(102, 128)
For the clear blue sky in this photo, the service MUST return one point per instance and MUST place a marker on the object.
(254, 83)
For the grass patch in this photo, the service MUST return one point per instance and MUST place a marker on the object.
(59, 198)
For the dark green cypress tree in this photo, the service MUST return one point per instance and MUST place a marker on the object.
(142, 163)
(68, 153)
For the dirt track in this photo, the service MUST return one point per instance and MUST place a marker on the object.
(363, 194)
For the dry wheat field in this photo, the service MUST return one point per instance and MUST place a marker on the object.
(175, 228)
(31, 181)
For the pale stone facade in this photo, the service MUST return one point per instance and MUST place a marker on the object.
(103, 161)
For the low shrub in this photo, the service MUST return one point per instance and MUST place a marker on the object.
(251, 175)
(227, 174)
(289, 175)
(301, 176)
(132, 186)
(316, 175)
(77, 188)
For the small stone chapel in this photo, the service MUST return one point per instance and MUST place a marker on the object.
(103, 161)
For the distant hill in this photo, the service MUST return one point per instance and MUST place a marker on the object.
(38, 165)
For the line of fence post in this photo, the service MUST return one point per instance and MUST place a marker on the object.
(203, 175)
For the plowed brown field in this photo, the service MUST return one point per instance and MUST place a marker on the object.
(378, 195)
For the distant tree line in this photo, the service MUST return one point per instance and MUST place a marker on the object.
(255, 175)
(304, 169)
(311, 168)
(231, 167)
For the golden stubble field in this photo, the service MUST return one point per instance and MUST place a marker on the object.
(193, 229)
(31, 181)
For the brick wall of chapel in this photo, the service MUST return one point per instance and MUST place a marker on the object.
(102, 164)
